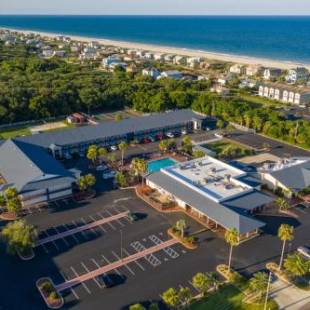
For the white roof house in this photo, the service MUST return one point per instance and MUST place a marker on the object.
(108, 61)
(169, 57)
(252, 70)
(180, 60)
(159, 57)
(193, 61)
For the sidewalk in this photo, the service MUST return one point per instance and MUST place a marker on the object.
(289, 297)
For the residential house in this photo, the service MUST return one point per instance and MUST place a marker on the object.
(152, 72)
(237, 69)
(253, 70)
(272, 73)
(299, 95)
(179, 60)
(299, 74)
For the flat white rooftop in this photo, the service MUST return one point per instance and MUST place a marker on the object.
(283, 164)
(210, 177)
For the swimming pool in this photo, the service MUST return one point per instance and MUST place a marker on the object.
(156, 165)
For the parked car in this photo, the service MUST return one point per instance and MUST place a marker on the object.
(67, 156)
(101, 167)
(159, 136)
(113, 147)
(218, 135)
(108, 174)
(304, 251)
(132, 217)
(146, 140)
(184, 132)
(152, 139)
(170, 134)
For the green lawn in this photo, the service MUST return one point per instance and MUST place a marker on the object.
(228, 298)
(14, 132)
(219, 146)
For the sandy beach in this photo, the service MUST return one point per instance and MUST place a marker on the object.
(247, 60)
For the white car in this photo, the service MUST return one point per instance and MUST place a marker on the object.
(101, 167)
(218, 135)
(113, 148)
(170, 134)
(304, 251)
(108, 175)
(184, 132)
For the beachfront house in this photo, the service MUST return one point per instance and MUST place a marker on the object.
(299, 95)
(253, 70)
(111, 61)
(193, 62)
(168, 58)
(159, 57)
(237, 69)
(179, 60)
(172, 74)
(272, 73)
(151, 72)
(299, 74)
(88, 53)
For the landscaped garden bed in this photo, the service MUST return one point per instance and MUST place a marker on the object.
(49, 293)
(231, 275)
(281, 274)
(85, 195)
(8, 216)
(26, 254)
(186, 241)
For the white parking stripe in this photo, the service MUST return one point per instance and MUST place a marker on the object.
(123, 210)
(84, 285)
(100, 226)
(191, 284)
(71, 289)
(137, 263)
(129, 269)
(63, 239)
(109, 223)
(82, 232)
(95, 279)
(91, 229)
(116, 270)
(73, 236)
(119, 222)
(98, 266)
(56, 246)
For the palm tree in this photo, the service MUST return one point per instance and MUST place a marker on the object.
(163, 145)
(285, 233)
(180, 225)
(202, 282)
(282, 204)
(258, 283)
(92, 153)
(123, 147)
(171, 297)
(102, 152)
(138, 166)
(232, 238)
(296, 265)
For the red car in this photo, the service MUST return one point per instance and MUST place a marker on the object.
(159, 136)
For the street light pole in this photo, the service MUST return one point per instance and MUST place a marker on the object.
(267, 292)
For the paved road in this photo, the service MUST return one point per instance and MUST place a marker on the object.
(290, 297)
(276, 148)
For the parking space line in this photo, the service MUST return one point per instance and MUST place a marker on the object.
(82, 232)
(63, 239)
(56, 246)
(71, 289)
(83, 284)
(116, 220)
(137, 263)
(73, 236)
(105, 274)
(139, 247)
(123, 210)
(95, 279)
(169, 251)
(100, 226)
(91, 229)
(110, 224)
(129, 269)
(116, 270)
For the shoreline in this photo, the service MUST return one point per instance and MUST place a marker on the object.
(214, 56)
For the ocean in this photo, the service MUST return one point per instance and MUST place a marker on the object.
(278, 38)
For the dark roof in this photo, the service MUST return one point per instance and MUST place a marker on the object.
(108, 129)
(30, 167)
(296, 177)
(224, 215)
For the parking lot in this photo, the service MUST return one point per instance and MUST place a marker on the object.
(141, 280)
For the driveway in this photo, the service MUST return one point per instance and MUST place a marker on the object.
(290, 297)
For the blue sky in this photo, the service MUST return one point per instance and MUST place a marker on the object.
(155, 7)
